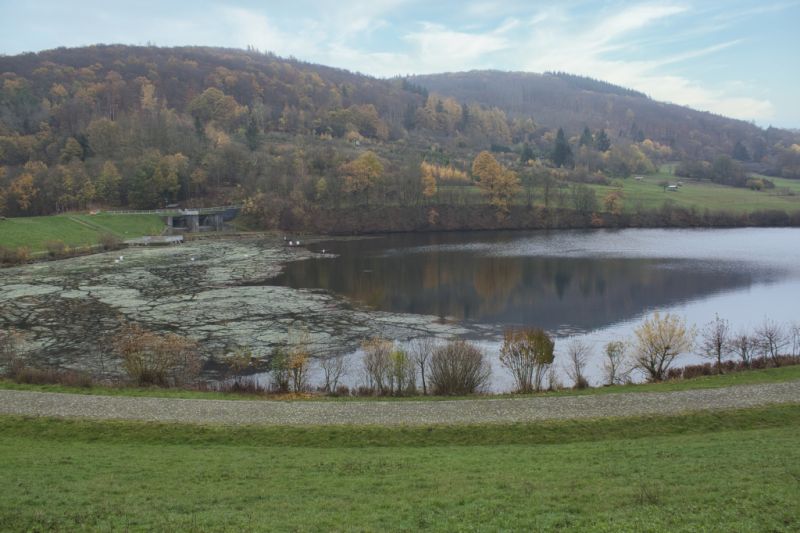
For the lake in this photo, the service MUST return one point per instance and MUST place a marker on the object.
(596, 285)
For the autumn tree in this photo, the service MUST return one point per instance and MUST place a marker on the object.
(362, 174)
(428, 180)
(659, 341)
(214, 105)
(613, 201)
(527, 354)
(108, 184)
(497, 183)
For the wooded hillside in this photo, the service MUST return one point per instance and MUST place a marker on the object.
(146, 126)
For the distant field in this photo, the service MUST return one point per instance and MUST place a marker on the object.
(74, 230)
(704, 195)
(724, 471)
(648, 195)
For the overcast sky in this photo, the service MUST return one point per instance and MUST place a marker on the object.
(737, 57)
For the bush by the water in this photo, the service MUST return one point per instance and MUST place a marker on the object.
(458, 367)
(153, 359)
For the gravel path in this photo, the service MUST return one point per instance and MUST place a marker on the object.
(394, 412)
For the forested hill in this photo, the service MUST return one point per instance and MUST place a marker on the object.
(573, 102)
(144, 126)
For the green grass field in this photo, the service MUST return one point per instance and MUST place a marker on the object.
(74, 230)
(724, 471)
(648, 194)
(750, 377)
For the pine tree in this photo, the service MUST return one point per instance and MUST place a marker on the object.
(740, 153)
(601, 141)
(586, 138)
(562, 153)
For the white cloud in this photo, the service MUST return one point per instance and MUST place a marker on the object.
(597, 52)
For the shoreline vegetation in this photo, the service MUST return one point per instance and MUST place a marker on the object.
(425, 366)
(76, 383)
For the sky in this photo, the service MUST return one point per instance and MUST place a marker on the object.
(737, 58)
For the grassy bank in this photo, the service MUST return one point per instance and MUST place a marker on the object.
(74, 230)
(711, 471)
(749, 377)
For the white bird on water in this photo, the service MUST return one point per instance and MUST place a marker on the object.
(192, 259)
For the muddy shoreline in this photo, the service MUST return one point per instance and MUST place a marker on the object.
(215, 291)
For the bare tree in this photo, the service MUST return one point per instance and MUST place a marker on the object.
(714, 343)
(377, 364)
(527, 353)
(299, 359)
(743, 345)
(334, 368)
(795, 332)
(421, 350)
(659, 341)
(772, 338)
(615, 368)
(577, 354)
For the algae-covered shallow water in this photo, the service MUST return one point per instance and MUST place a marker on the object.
(595, 285)
(214, 291)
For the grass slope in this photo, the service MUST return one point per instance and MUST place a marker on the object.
(703, 195)
(750, 377)
(74, 230)
(711, 472)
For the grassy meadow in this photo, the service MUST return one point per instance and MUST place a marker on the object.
(723, 471)
(74, 230)
(648, 195)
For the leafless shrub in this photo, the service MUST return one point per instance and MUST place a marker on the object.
(387, 368)
(553, 380)
(238, 362)
(616, 369)
(49, 376)
(153, 359)
(772, 338)
(527, 353)
(458, 367)
(421, 350)
(577, 354)
(56, 249)
(334, 368)
(715, 341)
(377, 362)
(298, 361)
(744, 346)
(109, 241)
